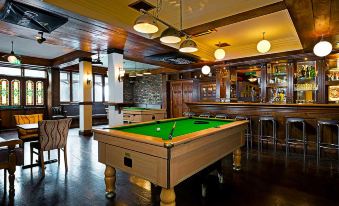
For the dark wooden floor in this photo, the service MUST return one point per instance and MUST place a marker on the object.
(265, 179)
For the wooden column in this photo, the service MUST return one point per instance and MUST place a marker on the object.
(53, 90)
(85, 96)
(115, 87)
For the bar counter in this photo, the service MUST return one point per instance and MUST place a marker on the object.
(310, 112)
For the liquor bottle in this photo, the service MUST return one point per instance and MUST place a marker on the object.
(307, 72)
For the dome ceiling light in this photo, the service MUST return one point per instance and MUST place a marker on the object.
(146, 24)
(264, 45)
(188, 46)
(322, 48)
(170, 36)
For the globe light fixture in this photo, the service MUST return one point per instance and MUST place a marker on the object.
(170, 36)
(219, 53)
(146, 24)
(322, 48)
(206, 69)
(263, 46)
(188, 46)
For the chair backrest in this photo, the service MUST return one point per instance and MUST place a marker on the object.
(53, 133)
(28, 119)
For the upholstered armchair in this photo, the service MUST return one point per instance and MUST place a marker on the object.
(58, 113)
(10, 157)
(28, 135)
(52, 135)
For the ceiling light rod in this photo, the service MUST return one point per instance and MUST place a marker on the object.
(163, 22)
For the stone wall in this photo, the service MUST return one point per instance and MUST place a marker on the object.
(144, 90)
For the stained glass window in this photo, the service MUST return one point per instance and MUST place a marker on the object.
(29, 92)
(15, 84)
(4, 89)
(39, 93)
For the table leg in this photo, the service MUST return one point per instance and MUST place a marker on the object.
(110, 181)
(237, 159)
(167, 197)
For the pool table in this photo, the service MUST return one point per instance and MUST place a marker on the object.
(139, 114)
(146, 150)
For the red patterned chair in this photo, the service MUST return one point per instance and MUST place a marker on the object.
(52, 135)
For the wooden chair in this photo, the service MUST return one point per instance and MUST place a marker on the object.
(10, 157)
(52, 135)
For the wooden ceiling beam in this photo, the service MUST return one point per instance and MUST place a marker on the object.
(70, 57)
(261, 11)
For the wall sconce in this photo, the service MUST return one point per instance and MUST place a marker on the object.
(121, 74)
(89, 79)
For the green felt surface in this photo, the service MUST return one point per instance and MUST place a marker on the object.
(135, 108)
(183, 126)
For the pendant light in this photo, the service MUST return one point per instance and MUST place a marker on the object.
(322, 48)
(219, 53)
(188, 45)
(206, 69)
(170, 36)
(12, 58)
(146, 24)
(263, 46)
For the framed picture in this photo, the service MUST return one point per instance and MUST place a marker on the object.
(333, 93)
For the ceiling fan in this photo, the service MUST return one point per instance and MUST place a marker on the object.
(12, 57)
(97, 61)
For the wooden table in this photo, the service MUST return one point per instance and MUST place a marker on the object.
(34, 126)
(136, 114)
(167, 162)
(28, 126)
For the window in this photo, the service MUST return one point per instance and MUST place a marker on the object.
(4, 100)
(98, 88)
(10, 71)
(75, 87)
(65, 87)
(15, 84)
(106, 89)
(29, 92)
(39, 92)
(35, 73)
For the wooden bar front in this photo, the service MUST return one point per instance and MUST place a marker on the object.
(310, 112)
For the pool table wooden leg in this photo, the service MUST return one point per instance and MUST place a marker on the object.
(167, 197)
(110, 181)
(237, 159)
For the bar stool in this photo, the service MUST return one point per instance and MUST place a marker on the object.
(221, 116)
(262, 137)
(325, 145)
(189, 114)
(248, 133)
(290, 140)
(206, 115)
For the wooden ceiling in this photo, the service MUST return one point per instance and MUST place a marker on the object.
(86, 33)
